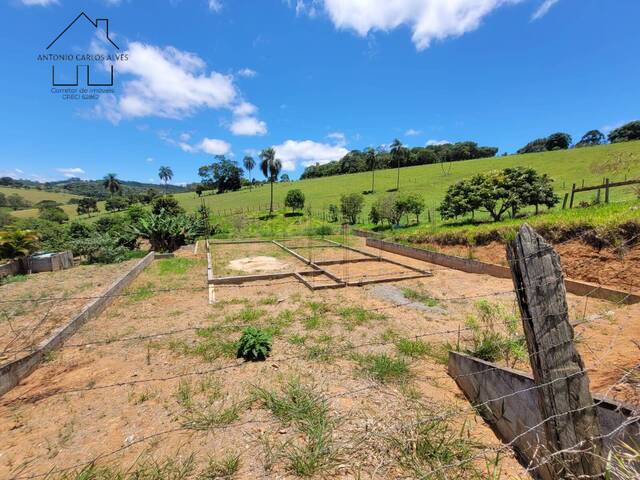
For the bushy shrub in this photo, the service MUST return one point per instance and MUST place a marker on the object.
(333, 213)
(351, 206)
(99, 248)
(78, 229)
(166, 204)
(16, 243)
(53, 214)
(166, 232)
(254, 345)
(53, 236)
(120, 228)
(495, 334)
(294, 200)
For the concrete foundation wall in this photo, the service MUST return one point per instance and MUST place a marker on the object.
(10, 268)
(474, 266)
(12, 373)
(514, 414)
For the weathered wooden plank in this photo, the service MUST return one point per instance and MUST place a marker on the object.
(558, 370)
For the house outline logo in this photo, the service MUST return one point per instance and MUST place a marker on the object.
(97, 24)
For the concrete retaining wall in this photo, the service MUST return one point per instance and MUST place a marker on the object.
(12, 373)
(474, 266)
(10, 268)
(516, 413)
(52, 263)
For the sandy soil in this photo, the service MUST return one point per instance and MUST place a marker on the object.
(579, 261)
(119, 383)
(258, 264)
(24, 323)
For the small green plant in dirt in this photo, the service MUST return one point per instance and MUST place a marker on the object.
(418, 348)
(320, 353)
(383, 368)
(421, 297)
(268, 300)
(147, 468)
(314, 450)
(428, 445)
(317, 317)
(296, 339)
(356, 316)
(211, 345)
(208, 417)
(495, 334)
(225, 467)
(254, 345)
(142, 293)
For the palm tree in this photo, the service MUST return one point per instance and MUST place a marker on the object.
(111, 183)
(249, 164)
(165, 174)
(18, 243)
(271, 168)
(397, 152)
(370, 158)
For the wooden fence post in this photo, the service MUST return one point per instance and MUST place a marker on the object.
(606, 190)
(571, 425)
(564, 202)
(573, 194)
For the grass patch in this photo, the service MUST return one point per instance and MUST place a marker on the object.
(421, 297)
(268, 300)
(13, 279)
(210, 417)
(317, 318)
(175, 266)
(428, 444)
(358, 316)
(296, 339)
(142, 293)
(384, 368)
(314, 451)
(225, 467)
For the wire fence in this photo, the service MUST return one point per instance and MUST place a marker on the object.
(602, 358)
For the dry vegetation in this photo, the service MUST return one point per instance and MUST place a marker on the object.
(355, 387)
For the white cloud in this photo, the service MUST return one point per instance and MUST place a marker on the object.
(213, 146)
(149, 159)
(167, 82)
(245, 108)
(428, 20)
(39, 3)
(543, 9)
(437, 142)
(248, 126)
(247, 72)
(307, 152)
(215, 5)
(71, 172)
(412, 132)
(11, 173)
(339, 138)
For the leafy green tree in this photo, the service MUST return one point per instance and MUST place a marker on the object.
(294, 200)
(591, 138)
(167, 205)
(165, 174)
(115, 204)
(223, 175)
(249, 164)
(284, 178)
(385, 208)
(558, 141)
(53, 214)
(497, 192)
(351, 206)
(87, 206)
(626, 133)
(111, 183)
(411, 204)
(271, 168)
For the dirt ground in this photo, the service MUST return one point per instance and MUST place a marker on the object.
(580, 262)
(155, 376)
(27, 316)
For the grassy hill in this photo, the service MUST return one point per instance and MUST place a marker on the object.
(565, 167)
(34, 196)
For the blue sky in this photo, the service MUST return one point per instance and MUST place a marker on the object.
(313, 78)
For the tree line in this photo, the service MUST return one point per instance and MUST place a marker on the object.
(564, 141)
(398, 156)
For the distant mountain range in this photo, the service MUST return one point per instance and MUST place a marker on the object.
(89, 188)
